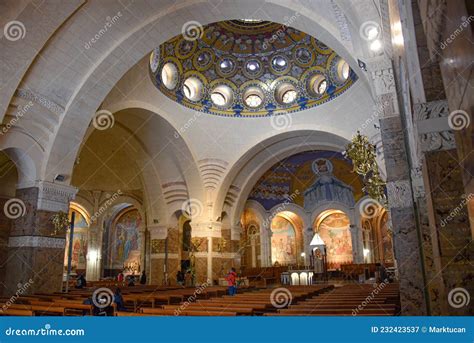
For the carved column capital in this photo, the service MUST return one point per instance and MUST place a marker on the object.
(206, 229)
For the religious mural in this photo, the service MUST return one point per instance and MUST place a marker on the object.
(334, 231)
(295, 177)
(125, 241)
(79, 243)
(283, 241)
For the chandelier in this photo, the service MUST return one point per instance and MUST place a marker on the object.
(363, 156)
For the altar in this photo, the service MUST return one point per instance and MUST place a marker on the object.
(297, 277)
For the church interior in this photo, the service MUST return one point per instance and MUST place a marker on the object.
(228, 158)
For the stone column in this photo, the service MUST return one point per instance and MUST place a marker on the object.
(158, 235)
(36, 249)
(443, 212)
(357, 243)
(407, 242)
(94, 243)
(206, 237)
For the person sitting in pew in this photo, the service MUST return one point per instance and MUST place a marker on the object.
(143, 278)
(180, 278)
(118, 299)
(120, 277)
(131, 281)
(81, 281)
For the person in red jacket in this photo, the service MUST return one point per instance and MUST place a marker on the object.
(232, 281)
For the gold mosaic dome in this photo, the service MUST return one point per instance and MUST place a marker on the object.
(248, 68)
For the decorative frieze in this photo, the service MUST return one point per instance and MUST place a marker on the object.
(384, 81)
(41, 100)
(54, 197)
(206, 229)
(433, 128)
(158, 231)
(36, 242)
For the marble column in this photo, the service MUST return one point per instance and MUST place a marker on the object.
(406, 235)
(36, 249)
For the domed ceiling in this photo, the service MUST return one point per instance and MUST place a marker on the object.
(248, 69)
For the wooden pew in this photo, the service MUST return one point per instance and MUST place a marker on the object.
(17, 312)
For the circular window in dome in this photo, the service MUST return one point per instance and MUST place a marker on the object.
(286, 93)
(343, 70)
(253, 97)
(318, 85)
(193, 88)
(154, 60)
(253, 68)
(222, 96)
(203, 59)
(303, 56)
(279, 64)
(226, 66)
(169, 75)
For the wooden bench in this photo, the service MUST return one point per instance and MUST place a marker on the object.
(17, 312)
(185, 312)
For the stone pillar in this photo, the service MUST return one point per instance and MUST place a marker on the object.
(407, 242)
(94, 243)
(235, 249)
(265, 245)
(206, 237)
(357, 243)
(36, 249)
(444, 214)
(158, 235)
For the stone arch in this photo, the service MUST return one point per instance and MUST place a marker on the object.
(253, 164)
(309, 20)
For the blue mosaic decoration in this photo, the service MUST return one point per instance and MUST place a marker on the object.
(281, 69)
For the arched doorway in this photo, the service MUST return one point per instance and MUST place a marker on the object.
(334, 228)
